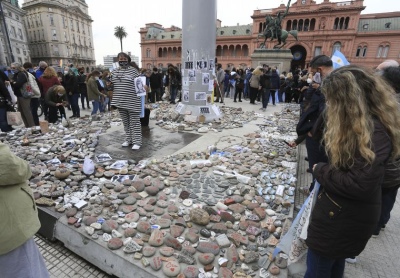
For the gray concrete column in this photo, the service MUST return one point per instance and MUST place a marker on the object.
(198, 57)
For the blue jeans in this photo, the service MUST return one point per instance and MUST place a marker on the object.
(174, 91)
(322, 267)
(96, 106)
(4, 126)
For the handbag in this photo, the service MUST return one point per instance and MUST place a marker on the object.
(14, 118)
(26, 89)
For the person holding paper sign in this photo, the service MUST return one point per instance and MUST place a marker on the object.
(127, 101)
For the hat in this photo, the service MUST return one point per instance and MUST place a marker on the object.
(233, 73)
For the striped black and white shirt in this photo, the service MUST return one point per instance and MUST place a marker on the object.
(124, 95)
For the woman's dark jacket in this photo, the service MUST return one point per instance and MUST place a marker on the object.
(52, 98)
(349, 202)
(311, 114)
(71, 83)
(270, 80)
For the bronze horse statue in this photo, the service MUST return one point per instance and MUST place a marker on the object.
(273, 31)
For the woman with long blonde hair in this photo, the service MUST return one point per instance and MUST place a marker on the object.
(361, 135)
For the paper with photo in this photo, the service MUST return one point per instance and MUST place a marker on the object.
(139, 85)
(119, 164)
(200, 96)
(205, 78)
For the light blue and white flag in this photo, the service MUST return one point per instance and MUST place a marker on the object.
(339, 60)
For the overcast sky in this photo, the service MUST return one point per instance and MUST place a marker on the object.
(133, 15)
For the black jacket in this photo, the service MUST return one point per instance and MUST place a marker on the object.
(4, 95)
(71, 84)
(349, 202)
(310, 116)
(82, 83)
(155, 80)
(270, 80)
(20, 79)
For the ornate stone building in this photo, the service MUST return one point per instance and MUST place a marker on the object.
(366, 39)
(60, 32)
(14, 43)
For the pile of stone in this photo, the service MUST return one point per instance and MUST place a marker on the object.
(168, 118)
(211, 213)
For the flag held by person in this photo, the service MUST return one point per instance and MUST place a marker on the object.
(339, 60)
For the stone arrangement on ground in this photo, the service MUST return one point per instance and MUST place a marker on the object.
(171, 119)
(210, 213)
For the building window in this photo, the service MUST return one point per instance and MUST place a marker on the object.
(54, 35)
(20, 34)
(12, 31)
(337, 46)
(383, 51)
(72, 24)
(365, 26)
(317, 50)
(77, 26)
(222, 32)
(18, 50)
(65, 36)
(387, 25)
(294, 27)
(16, 17)
(148, 53)
(51, 20)
(361, 51)
(10, 14)
(289, 25)
(64, 22)
(300, 27)
(149, 66)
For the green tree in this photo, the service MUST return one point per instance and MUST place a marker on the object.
(120, 33)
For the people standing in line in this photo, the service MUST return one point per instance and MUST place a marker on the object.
(226, 83)
(94, 94)
(282, 80)
(19, 254)
(5, 101)
(239, 85)
(35, 99)
(24, 104)
(103, 79)
(246, 90)
(361, 135)
(220, 86)
(155, 85)
(173, 81)
(42, 67)
(82, 88)
(126, 100)
(71, 86)
(56, 100)
(275, 85)
(255, 84)
(48, 79)
(289, 84)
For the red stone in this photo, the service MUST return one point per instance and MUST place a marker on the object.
(229, 201)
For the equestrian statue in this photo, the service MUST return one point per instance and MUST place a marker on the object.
(273, 29)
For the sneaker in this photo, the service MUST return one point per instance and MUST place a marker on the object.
(125, 144)
(135, 147)
(351, 260)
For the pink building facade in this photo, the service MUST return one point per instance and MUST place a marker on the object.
(365, 39)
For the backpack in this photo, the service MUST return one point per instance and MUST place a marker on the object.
(32, 82)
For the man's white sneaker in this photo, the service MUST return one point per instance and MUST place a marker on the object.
(135, 147)
(125, 144)
(351, 260)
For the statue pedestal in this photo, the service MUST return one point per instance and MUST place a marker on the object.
(281, 58)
